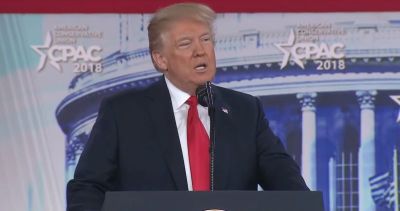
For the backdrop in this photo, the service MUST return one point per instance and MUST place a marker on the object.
(329, 83)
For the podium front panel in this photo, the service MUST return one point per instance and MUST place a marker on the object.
(216, 200)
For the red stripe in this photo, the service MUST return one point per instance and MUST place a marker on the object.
(149, 6)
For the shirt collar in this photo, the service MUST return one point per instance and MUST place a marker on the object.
(178, 97)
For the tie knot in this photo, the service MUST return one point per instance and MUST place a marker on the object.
(192, 101)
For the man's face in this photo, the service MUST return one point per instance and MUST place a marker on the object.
(187, 57)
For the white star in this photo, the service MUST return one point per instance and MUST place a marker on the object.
(286, 49)
(43, 57)
(396, 99)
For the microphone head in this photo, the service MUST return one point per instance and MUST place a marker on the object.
(205, 95)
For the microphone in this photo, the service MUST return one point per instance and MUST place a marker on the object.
(206, 97)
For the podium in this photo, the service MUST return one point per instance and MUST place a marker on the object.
(216, 200)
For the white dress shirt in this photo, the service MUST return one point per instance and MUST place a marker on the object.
(178, 99)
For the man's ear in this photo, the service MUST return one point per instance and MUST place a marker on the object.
(159, 61)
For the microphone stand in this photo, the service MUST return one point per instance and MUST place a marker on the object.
(211, 113)
(206, 98)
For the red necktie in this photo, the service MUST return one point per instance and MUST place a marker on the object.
(198, 145)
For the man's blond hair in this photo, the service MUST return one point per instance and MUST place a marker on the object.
(163, 18)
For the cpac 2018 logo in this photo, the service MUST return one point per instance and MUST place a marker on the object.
(327, 57)
(84, 59)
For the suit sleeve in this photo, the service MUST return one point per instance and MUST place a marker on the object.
(276, 169)
(96, 170)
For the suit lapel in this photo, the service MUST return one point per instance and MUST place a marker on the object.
(161, 114)
(223, 136)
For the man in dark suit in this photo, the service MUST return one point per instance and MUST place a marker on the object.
(142, 141)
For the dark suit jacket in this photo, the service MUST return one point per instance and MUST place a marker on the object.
(134, 145)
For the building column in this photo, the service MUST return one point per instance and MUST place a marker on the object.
(366, 153)
(332, 184)
(309, 139)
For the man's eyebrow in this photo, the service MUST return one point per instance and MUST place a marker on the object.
(205, 34)
(183, 38)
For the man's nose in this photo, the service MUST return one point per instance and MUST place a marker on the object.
(199, 49)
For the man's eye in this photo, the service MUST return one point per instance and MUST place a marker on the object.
(206, 39)
(184, 44)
